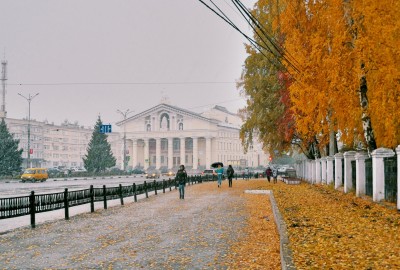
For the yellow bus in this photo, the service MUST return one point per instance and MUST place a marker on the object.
(35, 175)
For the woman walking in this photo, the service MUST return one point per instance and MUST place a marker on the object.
(220, 171)
(230, 173)
(181, 177)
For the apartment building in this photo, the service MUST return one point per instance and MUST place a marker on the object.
(57, 145)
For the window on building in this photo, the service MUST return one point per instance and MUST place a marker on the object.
(164, 121)
(176, 145)
(180, 126)
(148, 127)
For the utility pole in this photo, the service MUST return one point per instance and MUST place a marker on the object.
(3, 79)
(29, 99)
(125, 114)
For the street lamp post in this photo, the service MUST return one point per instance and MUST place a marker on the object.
(125, 114)
(29, 99)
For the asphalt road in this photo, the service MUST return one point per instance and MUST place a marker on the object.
(15, 188)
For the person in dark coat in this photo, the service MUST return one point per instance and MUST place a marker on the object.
(230, 173)
(181, 177)
(269, 174)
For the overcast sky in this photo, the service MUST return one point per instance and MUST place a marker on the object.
(91, 57)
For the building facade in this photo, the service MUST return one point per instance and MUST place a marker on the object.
(56, 145)
(165, 136)
(162, 137)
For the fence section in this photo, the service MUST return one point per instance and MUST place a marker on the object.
(32, 204)
(390, 178)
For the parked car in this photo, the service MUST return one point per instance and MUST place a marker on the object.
(209, 172)
(137, 171)
(152, 174)
(35, 175)
(169, 173)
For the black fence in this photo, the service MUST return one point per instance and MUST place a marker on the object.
(390, 164)
(32, 204)
(353, 174)
(39, 203)
(368, 176)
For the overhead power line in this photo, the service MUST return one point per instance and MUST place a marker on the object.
(116, 83)
(267, 41)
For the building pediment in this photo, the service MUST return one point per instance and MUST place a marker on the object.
(167, 109)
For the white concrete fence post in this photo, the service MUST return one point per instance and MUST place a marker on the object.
(348, 158)
(378, 172)
(329, 170)
(323, 170)
(338, 170)
(318, 171)
(360, 173)
(313, 165)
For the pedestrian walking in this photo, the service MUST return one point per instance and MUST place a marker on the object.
(181, 177)
(246, 173)
(219, 171)
(275, 175)
(230, 171)
(269, 174)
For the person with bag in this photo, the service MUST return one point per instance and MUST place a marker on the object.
(230, 171)
(181, 177)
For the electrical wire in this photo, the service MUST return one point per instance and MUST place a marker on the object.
(278, 52)
(115, 83)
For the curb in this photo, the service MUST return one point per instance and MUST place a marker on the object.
(285, 251)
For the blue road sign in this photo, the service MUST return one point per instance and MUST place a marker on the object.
(105, 129)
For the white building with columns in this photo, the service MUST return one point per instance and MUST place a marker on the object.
(166, 136)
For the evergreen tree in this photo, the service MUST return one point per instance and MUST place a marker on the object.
(99, 155)
(10, 156)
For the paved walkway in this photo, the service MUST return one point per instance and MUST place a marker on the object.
(161, 232)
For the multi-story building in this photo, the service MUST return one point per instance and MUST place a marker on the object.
(166, 136)
(163, 136)
(56, 145)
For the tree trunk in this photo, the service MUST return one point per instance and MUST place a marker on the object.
(366, 120)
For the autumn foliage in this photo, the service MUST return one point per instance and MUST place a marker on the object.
(328, 46)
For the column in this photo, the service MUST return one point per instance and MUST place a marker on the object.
(378, 173)
(398, 177)
(318, 171)
(133, 154)
(158, 153)
(183, 151)
(146, 154)
(329, 170)
(170, 152)
(323, 168)
(338, 170)
(309, 171)
(348, 158)
(195, 154)
(208, 153)
(313, 174)
(360, 173)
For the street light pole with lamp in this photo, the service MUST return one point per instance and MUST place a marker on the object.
(125, 114)
(29, 99)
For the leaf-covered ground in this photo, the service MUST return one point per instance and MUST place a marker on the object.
(332, 230)
(216, 228)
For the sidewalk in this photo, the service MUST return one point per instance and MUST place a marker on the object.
(161, 232)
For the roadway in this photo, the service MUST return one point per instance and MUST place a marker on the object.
(15, 188)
